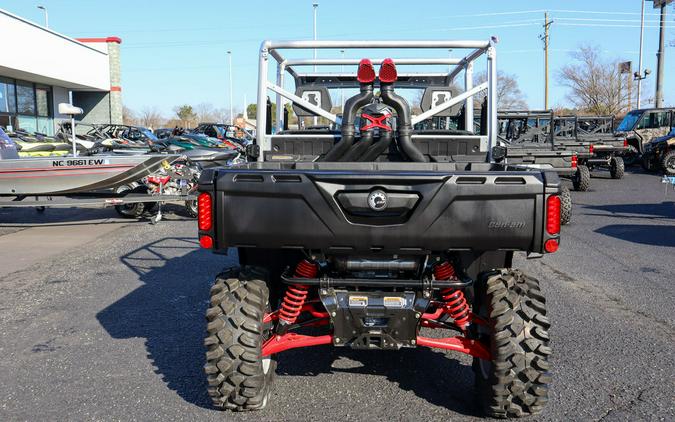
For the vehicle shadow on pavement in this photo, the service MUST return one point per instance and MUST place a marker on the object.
(662, 210)
(644, 234)
(168, 311)
(431, 375)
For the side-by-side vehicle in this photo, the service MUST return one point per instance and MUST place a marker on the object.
(373, 236)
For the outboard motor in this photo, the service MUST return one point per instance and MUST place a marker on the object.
(8, 150)
(366, 77)
(388, 76)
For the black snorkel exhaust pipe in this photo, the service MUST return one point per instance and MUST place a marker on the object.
(388, 76)
(366, 77)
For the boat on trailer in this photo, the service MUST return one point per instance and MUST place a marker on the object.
(68, 175)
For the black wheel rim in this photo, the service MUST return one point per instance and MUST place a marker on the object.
(670, 163)
(192, 206)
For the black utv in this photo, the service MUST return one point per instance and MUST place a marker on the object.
(372, 237)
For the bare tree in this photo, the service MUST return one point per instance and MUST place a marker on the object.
(509, 95)
(222, 115)
(151, 117)
(205, 112)
(129, 116)
(596, 85)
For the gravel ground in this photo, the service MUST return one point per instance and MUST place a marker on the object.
(113, 330)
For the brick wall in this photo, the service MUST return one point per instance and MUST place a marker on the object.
(115, 81)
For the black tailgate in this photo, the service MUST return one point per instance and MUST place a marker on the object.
(329, 210)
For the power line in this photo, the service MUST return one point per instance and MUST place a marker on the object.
(600, 25)
(598, 12)
(604, 20)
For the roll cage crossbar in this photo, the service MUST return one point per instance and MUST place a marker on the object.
(476, 49)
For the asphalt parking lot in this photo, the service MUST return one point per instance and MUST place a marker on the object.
(111, 327)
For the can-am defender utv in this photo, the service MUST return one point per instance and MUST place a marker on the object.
(659, 154)
(639, 127)
(529, 143)
(374, 236)
(593, 139)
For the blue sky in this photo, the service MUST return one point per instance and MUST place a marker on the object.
(173, 52)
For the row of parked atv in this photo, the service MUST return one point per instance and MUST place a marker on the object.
(575, 146)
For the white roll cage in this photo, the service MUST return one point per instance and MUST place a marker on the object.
(476, 50)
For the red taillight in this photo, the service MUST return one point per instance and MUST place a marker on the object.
(206, 242)
(625, 143)
(204, 214)
(553, 215)
(551, 245)
(388, 72)
(574, 161)
(590, 149)
(366, 73)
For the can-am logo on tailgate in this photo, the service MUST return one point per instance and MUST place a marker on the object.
(506, 224)
(377, 200)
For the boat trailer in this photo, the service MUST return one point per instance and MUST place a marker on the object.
(101, 199)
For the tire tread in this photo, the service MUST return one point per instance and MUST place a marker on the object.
(518, 382)
(234, 340)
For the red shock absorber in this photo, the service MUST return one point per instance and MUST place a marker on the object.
(296, 294)
(455, 302)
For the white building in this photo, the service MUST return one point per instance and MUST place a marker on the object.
(40, 68)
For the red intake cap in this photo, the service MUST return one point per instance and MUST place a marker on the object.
(366, 73)
(388, 72)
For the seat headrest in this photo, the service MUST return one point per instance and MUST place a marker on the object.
(437, 95)
(318, 96)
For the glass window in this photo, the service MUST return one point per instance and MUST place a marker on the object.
(7, 96)
(25, 96)
(45, 125)
(629, 121)
(27, 123)
(43, 97)
(663, 118)
(654, 120)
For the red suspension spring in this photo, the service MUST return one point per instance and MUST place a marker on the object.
(455, 302)
(296, 294)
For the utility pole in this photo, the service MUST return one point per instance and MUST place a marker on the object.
(660, 55)
(44, 9)
(342, 93)
(315, 6)
(545, 38)
(229, 56)
(639, 71)
(630, 90)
